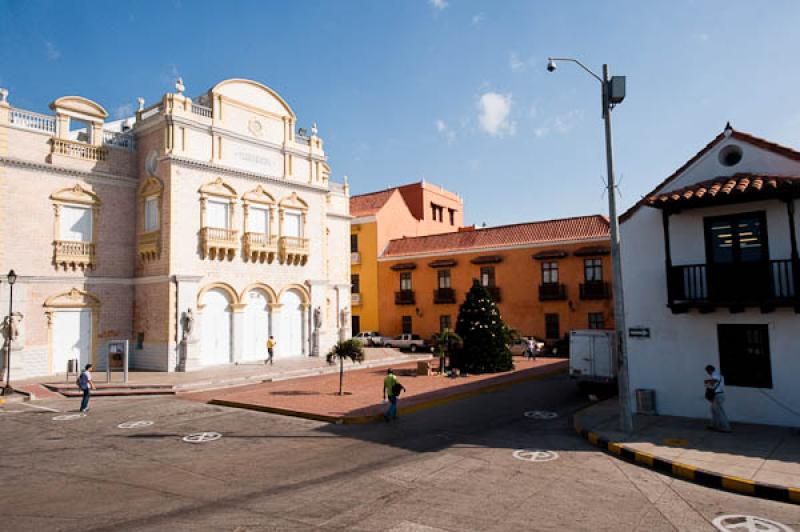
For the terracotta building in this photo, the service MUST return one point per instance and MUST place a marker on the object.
(409, 210)
(194, 229)
(547, 277)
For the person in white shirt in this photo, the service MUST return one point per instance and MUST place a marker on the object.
(86, 385)
(715, 395)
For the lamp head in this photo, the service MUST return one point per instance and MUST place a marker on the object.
(12, 277)
(551, 65)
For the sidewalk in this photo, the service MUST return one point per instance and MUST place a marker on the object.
(228, 375)
(758, 460)
(317, 397)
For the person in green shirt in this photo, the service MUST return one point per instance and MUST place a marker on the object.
(391, 390)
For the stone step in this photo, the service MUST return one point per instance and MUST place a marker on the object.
(63, 386)
(119, 392)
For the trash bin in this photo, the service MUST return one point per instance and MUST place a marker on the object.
(646, 401)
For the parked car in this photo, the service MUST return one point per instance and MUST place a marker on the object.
(520, 346)
(370, 338)
(411, 342)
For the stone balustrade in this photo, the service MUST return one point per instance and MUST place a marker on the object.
(260, 247)
(293, 250)
(33, 121)
(201, 110)
(149, 245)
(219, 243)
(78, 150)
(71, 254)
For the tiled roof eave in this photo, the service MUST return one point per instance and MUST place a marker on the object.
(730, 190)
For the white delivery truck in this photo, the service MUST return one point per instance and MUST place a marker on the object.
(591, 358)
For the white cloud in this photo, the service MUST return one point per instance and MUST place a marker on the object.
(445, 131)
(53, 53)
(123, 111)
(516, 64)
(561, 124)
(495, 110)
(478, 19)
(438, 4)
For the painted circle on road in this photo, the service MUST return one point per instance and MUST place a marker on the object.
(748, 523)
(67, 417)
(134, 424)
(202, 437)
(540, 414)
(535, 455)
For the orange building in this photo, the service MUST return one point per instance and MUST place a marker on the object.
(409, 210)
(547, 277)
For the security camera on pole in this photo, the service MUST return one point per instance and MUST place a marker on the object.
(613, 92)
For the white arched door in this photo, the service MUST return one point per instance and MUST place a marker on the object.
(256, 326)
(72, 332)
(290, 333)
(216, 333)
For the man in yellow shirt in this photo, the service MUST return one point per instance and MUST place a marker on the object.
(391, 389)
(270, 346)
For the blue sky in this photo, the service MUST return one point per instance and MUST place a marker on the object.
(454, 91)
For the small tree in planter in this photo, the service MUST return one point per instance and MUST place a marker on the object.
(351, 349)
(485, 335)
(443, 344)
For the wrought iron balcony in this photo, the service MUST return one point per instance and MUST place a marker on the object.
(764, 284)
(552, 292)
(260, 247)
(218, 243)
(595, 290)
(444, 296)
(404, 297)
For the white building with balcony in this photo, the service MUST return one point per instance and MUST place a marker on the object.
(195, 230)
(711, 273)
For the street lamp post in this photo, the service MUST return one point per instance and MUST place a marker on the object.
(11, 278)
(613, 92)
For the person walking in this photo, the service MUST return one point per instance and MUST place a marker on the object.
(270, 350)
(86, 385)
(531, 351)
(715, 395)
(391, 390)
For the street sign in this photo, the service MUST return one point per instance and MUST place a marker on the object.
(748, 523)
(540, 414)
(134, 424)
(202, 437)
(639, 332)
(535, 455)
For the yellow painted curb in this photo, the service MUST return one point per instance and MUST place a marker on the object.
(615, 448)
(644, 458)
(683, 471)
(739, 484)
(794, 495)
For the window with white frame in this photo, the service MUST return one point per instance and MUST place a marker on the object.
(217, 214)
(75, 223)
(258, 220)
(151, 214)
(292, 224)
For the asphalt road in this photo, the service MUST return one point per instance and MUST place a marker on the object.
(450, 468)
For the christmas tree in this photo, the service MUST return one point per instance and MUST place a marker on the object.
(484, 335)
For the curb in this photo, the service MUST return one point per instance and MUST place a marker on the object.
(372, 418)
(689, 473)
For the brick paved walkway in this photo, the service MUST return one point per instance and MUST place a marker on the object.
(317, 397)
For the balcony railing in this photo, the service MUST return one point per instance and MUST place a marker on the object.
(299, 139)
(149, 245)
(404, 297)
(260, 247)
(79, 150)
(355, 257)
(293, 250)
(119, 140)
(552, 292)
(494, 291)
(71, 255)
(443, 296)
(33, 121)
(201, 110)
(595, 290)
(765, 284)
(355, 298)
(219, 243)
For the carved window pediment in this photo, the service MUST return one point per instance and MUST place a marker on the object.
(259, 195)
(73, 298)
(219, 188)
(151, 186)
(76, 194)
(293, 201)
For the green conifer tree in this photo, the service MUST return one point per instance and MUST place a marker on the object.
(484, 334)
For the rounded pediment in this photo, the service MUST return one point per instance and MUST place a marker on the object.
(254, 94)
(80, 106)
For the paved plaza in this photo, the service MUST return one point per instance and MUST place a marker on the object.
(476, 464)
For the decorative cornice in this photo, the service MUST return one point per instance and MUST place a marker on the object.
(98, 176)
(339, 215)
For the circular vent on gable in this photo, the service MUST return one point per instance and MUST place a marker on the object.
(730, 155)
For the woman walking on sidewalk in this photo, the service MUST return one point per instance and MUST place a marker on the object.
(86, 385)
(715, 394)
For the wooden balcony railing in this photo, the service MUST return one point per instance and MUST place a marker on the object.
(444, 296)
(552, 292)
(260, 247)
(595, 290)
(404, 297)
(71, 255)
(765, 284)
(79, 150)
(219, 243)
(293, 250)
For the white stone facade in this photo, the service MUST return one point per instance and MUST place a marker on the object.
(214, 205)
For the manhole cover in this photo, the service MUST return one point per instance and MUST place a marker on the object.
(202, 437)
(134, 424)
(67, 417)
(540, 414)
(749, 523)
(535, 455)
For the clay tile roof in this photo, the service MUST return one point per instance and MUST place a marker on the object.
(723, 188)
(534, 233)
(368, 204)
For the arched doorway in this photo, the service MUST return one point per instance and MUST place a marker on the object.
(216, 331)
(290, 333)
(256, 325)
